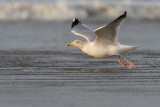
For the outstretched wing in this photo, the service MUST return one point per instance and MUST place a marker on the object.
(82, 30)
(107, 34)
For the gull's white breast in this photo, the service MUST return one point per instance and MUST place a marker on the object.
(99, 51)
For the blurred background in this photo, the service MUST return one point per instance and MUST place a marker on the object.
(38, 70)
(39, 24)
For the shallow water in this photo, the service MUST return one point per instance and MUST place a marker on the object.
(37, 35)
(37, 69)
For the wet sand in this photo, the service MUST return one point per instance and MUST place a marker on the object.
(37, 70)
(49, 78)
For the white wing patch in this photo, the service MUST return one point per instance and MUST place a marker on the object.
(84, 31)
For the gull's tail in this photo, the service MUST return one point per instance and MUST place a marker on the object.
(125, 48)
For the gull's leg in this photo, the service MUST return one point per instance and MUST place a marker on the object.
(121, 62)
(130, 64)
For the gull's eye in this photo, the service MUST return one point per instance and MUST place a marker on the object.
(77, 41)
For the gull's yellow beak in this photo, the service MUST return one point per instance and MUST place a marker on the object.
(69, 44)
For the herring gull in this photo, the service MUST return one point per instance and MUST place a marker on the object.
(102, 42)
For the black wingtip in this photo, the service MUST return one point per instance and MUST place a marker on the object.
(125, 13)
(75, 22)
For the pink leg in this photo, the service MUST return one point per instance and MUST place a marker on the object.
(121, 62)
(130, 64)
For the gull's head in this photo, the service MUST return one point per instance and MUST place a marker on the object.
(77, 43)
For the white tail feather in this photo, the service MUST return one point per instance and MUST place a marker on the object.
(125, 48)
